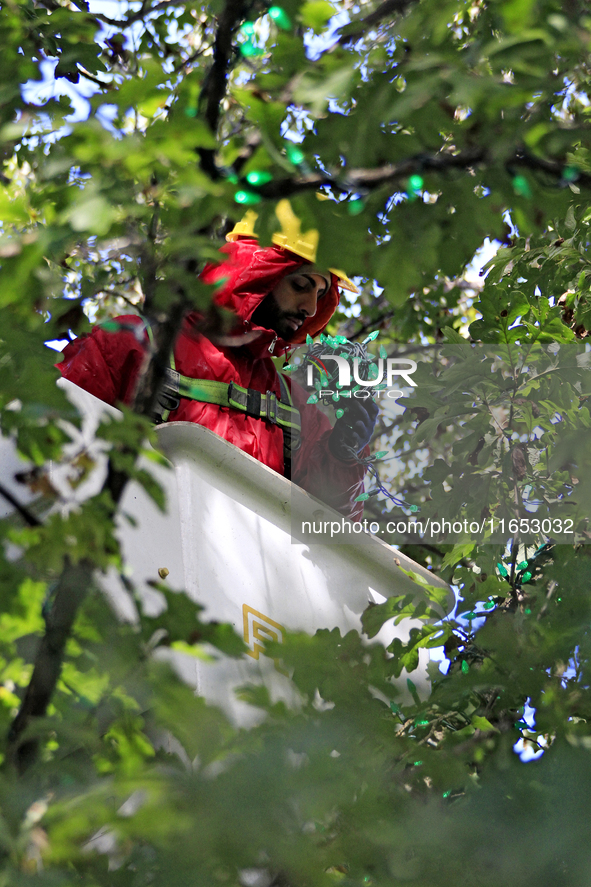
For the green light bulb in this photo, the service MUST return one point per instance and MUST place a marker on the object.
(246, 197)
(249, 50)
(247, 28)
(280, 17)
(295, 156)
(526, 577)
(465, 667)
(355, 207)
(339, 414)
(521, 186)
(415, 183)
(258, 177)
(570, 174)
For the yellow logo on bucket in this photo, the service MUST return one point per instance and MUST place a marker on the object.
(258, 628)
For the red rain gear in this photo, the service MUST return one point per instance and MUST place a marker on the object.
(107, 365)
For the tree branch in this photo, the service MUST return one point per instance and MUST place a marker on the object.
(387, 8)
(71, 589)
(368, 179)
(30, 518)
(76, 579)
(214, 87)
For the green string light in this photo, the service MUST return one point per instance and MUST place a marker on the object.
(339, 414)
(250, 50)
(354, 207)
(502, 570)
(312, 399)
(489, 605)
(570, 174)
(521, 187)
(247, 29)
(371, 337)
(246, 198)
(415, 186)
(110, 326)
(465, 667)
(258, 177)
(280, 17)
(526, 577)
(294, 155)
(522, 565)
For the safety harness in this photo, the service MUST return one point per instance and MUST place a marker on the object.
(267, 406)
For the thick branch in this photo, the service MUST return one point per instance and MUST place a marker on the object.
(385, 9)
(368, 179)
(76, 579)
(70, 591)
(214, 88)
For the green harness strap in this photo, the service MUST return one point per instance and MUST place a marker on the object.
(254, 403)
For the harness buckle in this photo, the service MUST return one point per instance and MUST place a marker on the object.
(168, 395)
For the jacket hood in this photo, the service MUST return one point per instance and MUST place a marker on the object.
(250, 272)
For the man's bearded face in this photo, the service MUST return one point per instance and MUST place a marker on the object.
(294, 299)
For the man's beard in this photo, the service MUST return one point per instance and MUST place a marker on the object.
(270, 316)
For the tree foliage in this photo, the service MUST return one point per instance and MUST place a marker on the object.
(132, 137)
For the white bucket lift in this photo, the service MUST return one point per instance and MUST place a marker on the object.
(226, 539)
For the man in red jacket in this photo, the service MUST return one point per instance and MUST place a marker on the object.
(230, 385)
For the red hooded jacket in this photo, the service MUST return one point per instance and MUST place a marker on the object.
(107, 364)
